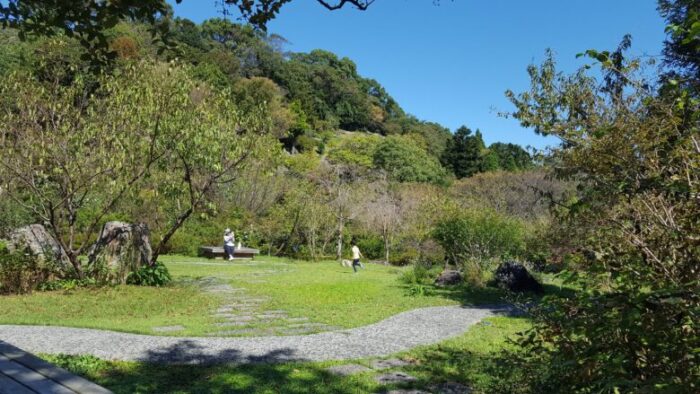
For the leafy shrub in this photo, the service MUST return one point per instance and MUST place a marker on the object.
(474, 239)
(632, 326)
(152, 275)
(480, 235)
(432, 253)
(405, 257)
(21, 272)
(420, 274)
(372, 247)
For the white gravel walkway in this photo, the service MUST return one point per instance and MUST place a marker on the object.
(397, 333)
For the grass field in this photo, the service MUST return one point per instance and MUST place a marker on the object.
(469, 359)
(323, 291)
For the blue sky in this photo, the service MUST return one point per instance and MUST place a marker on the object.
(452, 63)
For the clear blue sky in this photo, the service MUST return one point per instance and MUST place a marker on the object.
(452, 63)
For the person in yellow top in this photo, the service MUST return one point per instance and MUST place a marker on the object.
(356, 254)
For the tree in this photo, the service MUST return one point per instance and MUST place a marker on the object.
(635, 153)
(405, 161)
(69, 156)
(342, 191)
(463, 154)
(510, 157)
(88, 20)
(682, 46)
(215, 142)
(383, 213)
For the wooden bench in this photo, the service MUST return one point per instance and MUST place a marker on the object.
(213, 252)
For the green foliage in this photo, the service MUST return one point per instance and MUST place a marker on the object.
(481, 235)
(21, 272)
(633, 327)
(354, 149)
(466, 155)
(150, 275)
(405, 161)
(420, 274)
(509, 157)
(372, 247)
(405, 256)
(463, 154)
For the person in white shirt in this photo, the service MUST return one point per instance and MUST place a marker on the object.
(229, 243)
(356, 254)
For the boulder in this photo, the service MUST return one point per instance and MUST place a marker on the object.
(449, 278)
(121, 248)
(35, 239)
(514, 276)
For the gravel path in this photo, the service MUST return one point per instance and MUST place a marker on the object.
(397, 333)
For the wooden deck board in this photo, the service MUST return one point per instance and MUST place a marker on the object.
(11, 386)
(22, 372)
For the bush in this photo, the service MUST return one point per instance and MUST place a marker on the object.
(152, 275)
(420, 274)
(480, 235)
(432, 253)
(405, 257)
(372, 247)
(21, 272)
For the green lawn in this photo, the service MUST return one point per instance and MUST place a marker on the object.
(469, 359)
(323, 291)
(121, 308)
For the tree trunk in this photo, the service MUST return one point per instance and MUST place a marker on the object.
(386, 250)
(164, 241)
(341, 227)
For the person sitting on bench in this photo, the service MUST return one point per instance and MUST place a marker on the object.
(229, 243)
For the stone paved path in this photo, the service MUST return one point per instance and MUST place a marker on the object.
(243, 315)
(397, 333)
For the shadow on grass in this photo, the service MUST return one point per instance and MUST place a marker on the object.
(262, 376)
(488, 294)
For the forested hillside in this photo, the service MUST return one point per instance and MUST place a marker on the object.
(341, 158)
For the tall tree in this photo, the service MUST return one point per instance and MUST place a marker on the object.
(510, 157)
(463, 154)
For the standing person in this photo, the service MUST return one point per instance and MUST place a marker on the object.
(229, 243)
(356, 254)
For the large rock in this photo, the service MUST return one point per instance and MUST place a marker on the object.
(515, 277)
(121, 248)
(35, 239)
(449, 278)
